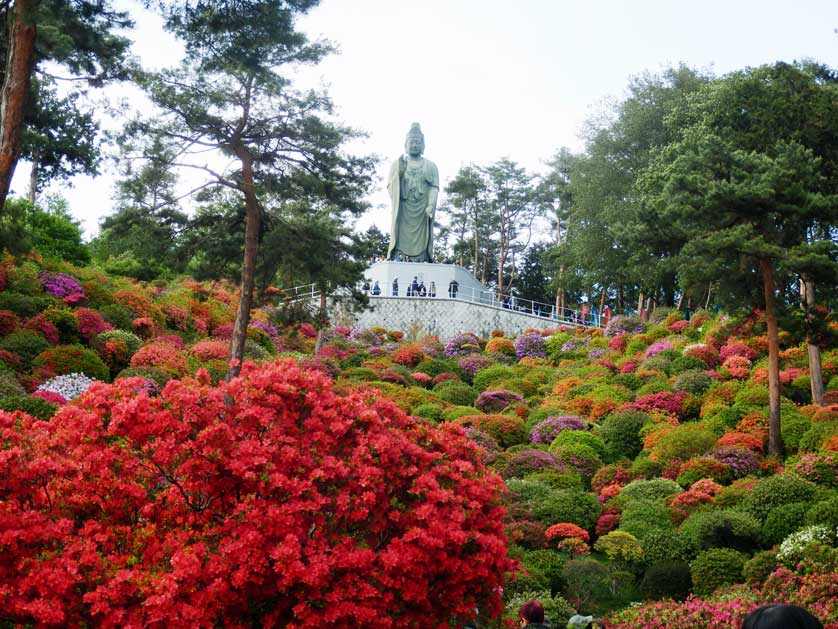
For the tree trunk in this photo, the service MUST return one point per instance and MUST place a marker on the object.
(501, 261)
(619, 297)
(640, 312)
(321, 322)
(19, 62)
(775, 438)
(601, 306)
(807, 292)
(253, 219)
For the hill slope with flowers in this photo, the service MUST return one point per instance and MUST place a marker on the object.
(632, 460)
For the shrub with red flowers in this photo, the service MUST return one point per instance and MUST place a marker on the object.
(268, 501)
(8, 322)
(161, 355)
(45, 328)
(210, 349)
(737, 349)
(707, 353)
(409, 355)
(51, 397)
(820, 468)
(91, 323)
(563, 530)
(606, 523)
(741, 440)
(672, 403)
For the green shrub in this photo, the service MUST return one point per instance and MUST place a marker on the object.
(792, 429)
(759, 567)
(583, 578)
(583, 458)
(21, 305)
(694, 382)
(34, 406)
(571, 437)
(716, 567)
(26, 344)
(716, 528)
(640, 517)
(9, 386)
(683, 443)
(823, 512)
(645, 467)
(655, 385)
(816, 434)
(687, 363)
(64, 359)
(620, 432)
(118, 316)
(667, 579)
(23, 278)
(660, 545)
(558, 480)
(782, 521)
(629, 380)
(486, 378)
(546, 562)
(566, 505)
(659, 362)
(777, 490)
(450, 414)
(65, 322)
(454, 392)
(654, 489)
(131, 340)
(435, 366)
(431, 412)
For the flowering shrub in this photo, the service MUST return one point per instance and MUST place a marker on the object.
(624, 325)
(672, 403)
(606, 523)
(566, 529)
(530, 461)
(741, 462)
(657, 347)
(68, 386)
(794, 547)
(210, 349)
(409, 355)
(51, 397)
(741, 440)
(547, 429)
(60, 284)
(500, 345)
(91, 323)
(737, 349)
(462, 344)
(530, 346)
(163, 356)
(473, 363)
(495, 401)
(704, 467)
(507, 430)
(266, 528)
(707, 353)
(45, 328)
(820, 468)
(267, 328)
(116, 347)
(65, 359)
(8, 322)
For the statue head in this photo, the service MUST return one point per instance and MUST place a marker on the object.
(414, 144)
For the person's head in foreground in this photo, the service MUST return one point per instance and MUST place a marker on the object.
(531, 611)
(781, 617)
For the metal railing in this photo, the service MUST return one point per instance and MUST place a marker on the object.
(541, 310)
(506, 302)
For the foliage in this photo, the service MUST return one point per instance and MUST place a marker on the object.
(774, 491)
(667, 579)
(620, 431)
(716, 567)
(227, 509)
(60, 360)
(582, 578)
(34, 406)
(719, 528)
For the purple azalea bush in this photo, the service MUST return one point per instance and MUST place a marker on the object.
(266, 327)
(60, 285)
(483, 439)
(597, 352)
(496, 401)
(741, 461)
(473, 363)
(462, 345)
(530, 346)
(657, 347)
(548, 429)
(529, 461)
(624, 325)
(576, 343)
(363, 336)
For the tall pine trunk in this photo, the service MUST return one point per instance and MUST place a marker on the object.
(253, 219)
(19, 62)
(807, 292)
(775, 438)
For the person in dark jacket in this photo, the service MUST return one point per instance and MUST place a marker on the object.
(781, 617)
(531, 615)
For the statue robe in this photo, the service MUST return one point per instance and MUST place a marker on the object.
(411, 232)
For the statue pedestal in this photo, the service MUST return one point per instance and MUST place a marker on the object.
(426, 272)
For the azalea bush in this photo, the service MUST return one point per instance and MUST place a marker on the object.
(269, 498)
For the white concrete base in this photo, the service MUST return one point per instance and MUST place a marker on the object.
(440, 274)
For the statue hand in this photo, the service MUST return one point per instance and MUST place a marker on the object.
(429, 211)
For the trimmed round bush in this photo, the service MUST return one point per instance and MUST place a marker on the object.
(529, 461)
(499, 400)
(620, 432)
(759, 567)
(19, 304)
(26, 345)
(715, 568)
(642, 517)
(454, 392)
(9, 386)
(431, 412)
(718, 528)
(683, 443)
(583, 437)
(694, 382)
(118, 316)
(653, 489)
(507, 430)
(530, 346)
(687, 363)
(777, 490)
(824, 512)
(485, 378)
(435, 366)
(156, 374)
(34, 406)
(578, 456)
(66, 359)
(549, 428)
(567, 505)
(667, 579)
(65, 322)
(546, 562)
(450, 414)
(782, 521)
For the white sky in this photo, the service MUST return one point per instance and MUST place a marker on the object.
(490, 78)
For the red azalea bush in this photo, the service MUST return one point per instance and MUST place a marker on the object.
(91, 323)
(409, 355)
(567, 529)
(209, 349)
(507, 430)
(268, 501)
(161, 355)
(8, 322)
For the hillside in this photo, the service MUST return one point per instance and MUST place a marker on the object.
(632, 460)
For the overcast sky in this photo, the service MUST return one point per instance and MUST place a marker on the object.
(489, 78)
